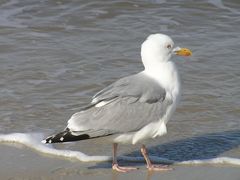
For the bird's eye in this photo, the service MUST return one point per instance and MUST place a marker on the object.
(169, 46)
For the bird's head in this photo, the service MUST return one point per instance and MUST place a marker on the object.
(159, 48)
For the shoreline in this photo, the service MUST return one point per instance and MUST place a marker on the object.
(23, 163)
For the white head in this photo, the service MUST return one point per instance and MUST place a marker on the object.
(159, 48)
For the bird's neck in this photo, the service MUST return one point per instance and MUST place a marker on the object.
(166, 74)
(152, 60)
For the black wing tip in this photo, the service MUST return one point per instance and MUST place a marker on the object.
(48, 140)
(65, 136)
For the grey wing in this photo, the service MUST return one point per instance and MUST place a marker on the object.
(125, 106)
(139, 86)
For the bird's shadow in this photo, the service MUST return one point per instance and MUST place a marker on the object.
(201, 147)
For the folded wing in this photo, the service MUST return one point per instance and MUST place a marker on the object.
(125, 106)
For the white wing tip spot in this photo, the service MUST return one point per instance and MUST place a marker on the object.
(62, 138)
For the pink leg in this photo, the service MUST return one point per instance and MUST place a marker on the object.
(150, 166)
(115, 165)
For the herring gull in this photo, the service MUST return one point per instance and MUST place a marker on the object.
(134, 108)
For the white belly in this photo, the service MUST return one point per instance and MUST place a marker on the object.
(150, 131)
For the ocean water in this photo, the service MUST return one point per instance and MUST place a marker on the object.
(55, 55)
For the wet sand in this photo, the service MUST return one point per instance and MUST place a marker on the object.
(18, 162)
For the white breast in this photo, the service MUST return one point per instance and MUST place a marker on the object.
(166, 75)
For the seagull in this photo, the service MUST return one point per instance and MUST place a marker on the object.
(134, 108)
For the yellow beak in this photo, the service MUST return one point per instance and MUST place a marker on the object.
(183, 52)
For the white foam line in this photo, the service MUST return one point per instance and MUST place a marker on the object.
(34, 141)
(218, 160)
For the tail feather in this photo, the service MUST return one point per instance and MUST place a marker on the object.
(65, 136)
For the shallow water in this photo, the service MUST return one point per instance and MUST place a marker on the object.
(55, 55)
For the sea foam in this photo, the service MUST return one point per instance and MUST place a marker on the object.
(33, 141)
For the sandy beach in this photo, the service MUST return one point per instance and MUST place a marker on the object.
(21, 163)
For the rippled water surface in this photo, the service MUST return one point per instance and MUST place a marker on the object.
(54, 55)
